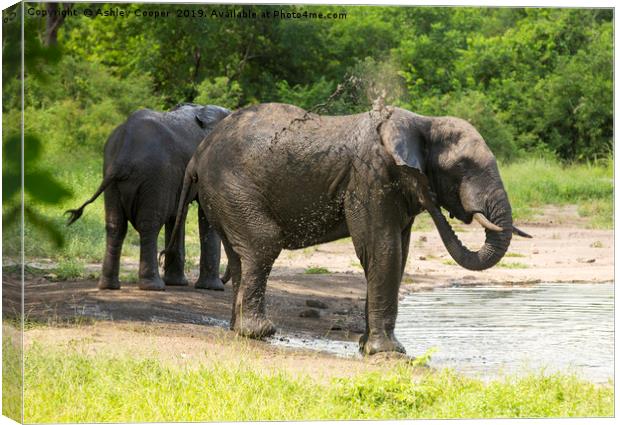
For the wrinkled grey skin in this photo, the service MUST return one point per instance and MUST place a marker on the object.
(144, 162)
(273, 177)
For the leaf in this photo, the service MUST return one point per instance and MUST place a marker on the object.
(11, 151)
(11, 216)
(11, 183)
(46, 225)
(44, 188)
(32, 148)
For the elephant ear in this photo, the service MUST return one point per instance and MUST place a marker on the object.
(208, 116)
(404, 141)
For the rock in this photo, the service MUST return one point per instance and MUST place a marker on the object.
(535, 251)
(310, 313)
(422, 257)
(316, 304)
(584, 260)
(422, 238)
(336, 327)
(341, 312)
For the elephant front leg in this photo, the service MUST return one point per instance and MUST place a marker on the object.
(379, 246)
(383, 274)
(174, 262)
(149, 278)
(389, 308)
(210, 251)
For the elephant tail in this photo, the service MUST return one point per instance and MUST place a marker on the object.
(74, 215)
(227, 274)
(188, 193)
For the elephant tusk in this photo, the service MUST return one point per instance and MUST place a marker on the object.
(484, 222)
(520, 232)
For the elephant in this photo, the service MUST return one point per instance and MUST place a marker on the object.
(144, 163)
(273, 177)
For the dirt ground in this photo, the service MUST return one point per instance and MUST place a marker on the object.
(328, 305)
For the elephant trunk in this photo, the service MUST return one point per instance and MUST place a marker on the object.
(496, 242)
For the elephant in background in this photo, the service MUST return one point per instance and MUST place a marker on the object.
(273, 176)
(143, 167)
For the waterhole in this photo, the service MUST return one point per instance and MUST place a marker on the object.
(487, 331)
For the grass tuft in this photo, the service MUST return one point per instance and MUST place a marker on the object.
(316, 270)
(511, 265)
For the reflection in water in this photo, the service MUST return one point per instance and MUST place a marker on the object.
(489, 330)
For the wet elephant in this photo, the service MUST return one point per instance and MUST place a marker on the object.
(273, 177)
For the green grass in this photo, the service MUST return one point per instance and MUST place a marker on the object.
(534, 183)
(70, 386)
(502, 264)
(11, 371)
(316, 270)
(69, 268)
(514, 255)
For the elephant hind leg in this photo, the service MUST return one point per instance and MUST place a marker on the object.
(116, 229)
(148, 274)
(210, 251)
(249, 304)
(253, 241)
(256, 251)
(234, 265)
(174, 263)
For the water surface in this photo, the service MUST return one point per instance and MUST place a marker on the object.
(489, 330)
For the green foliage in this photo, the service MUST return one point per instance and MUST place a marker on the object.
(475, 107)
(73, 386)
(305, 96)
(221, 91)
(530, 79)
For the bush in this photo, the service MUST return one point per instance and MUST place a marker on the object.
(305, 96)
(219, 91)
(475, 107)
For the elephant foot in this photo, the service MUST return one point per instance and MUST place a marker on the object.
(178, 280)
(107, 283)
(256, 328)
(214, 284)
(152, 284)
(374, 344)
